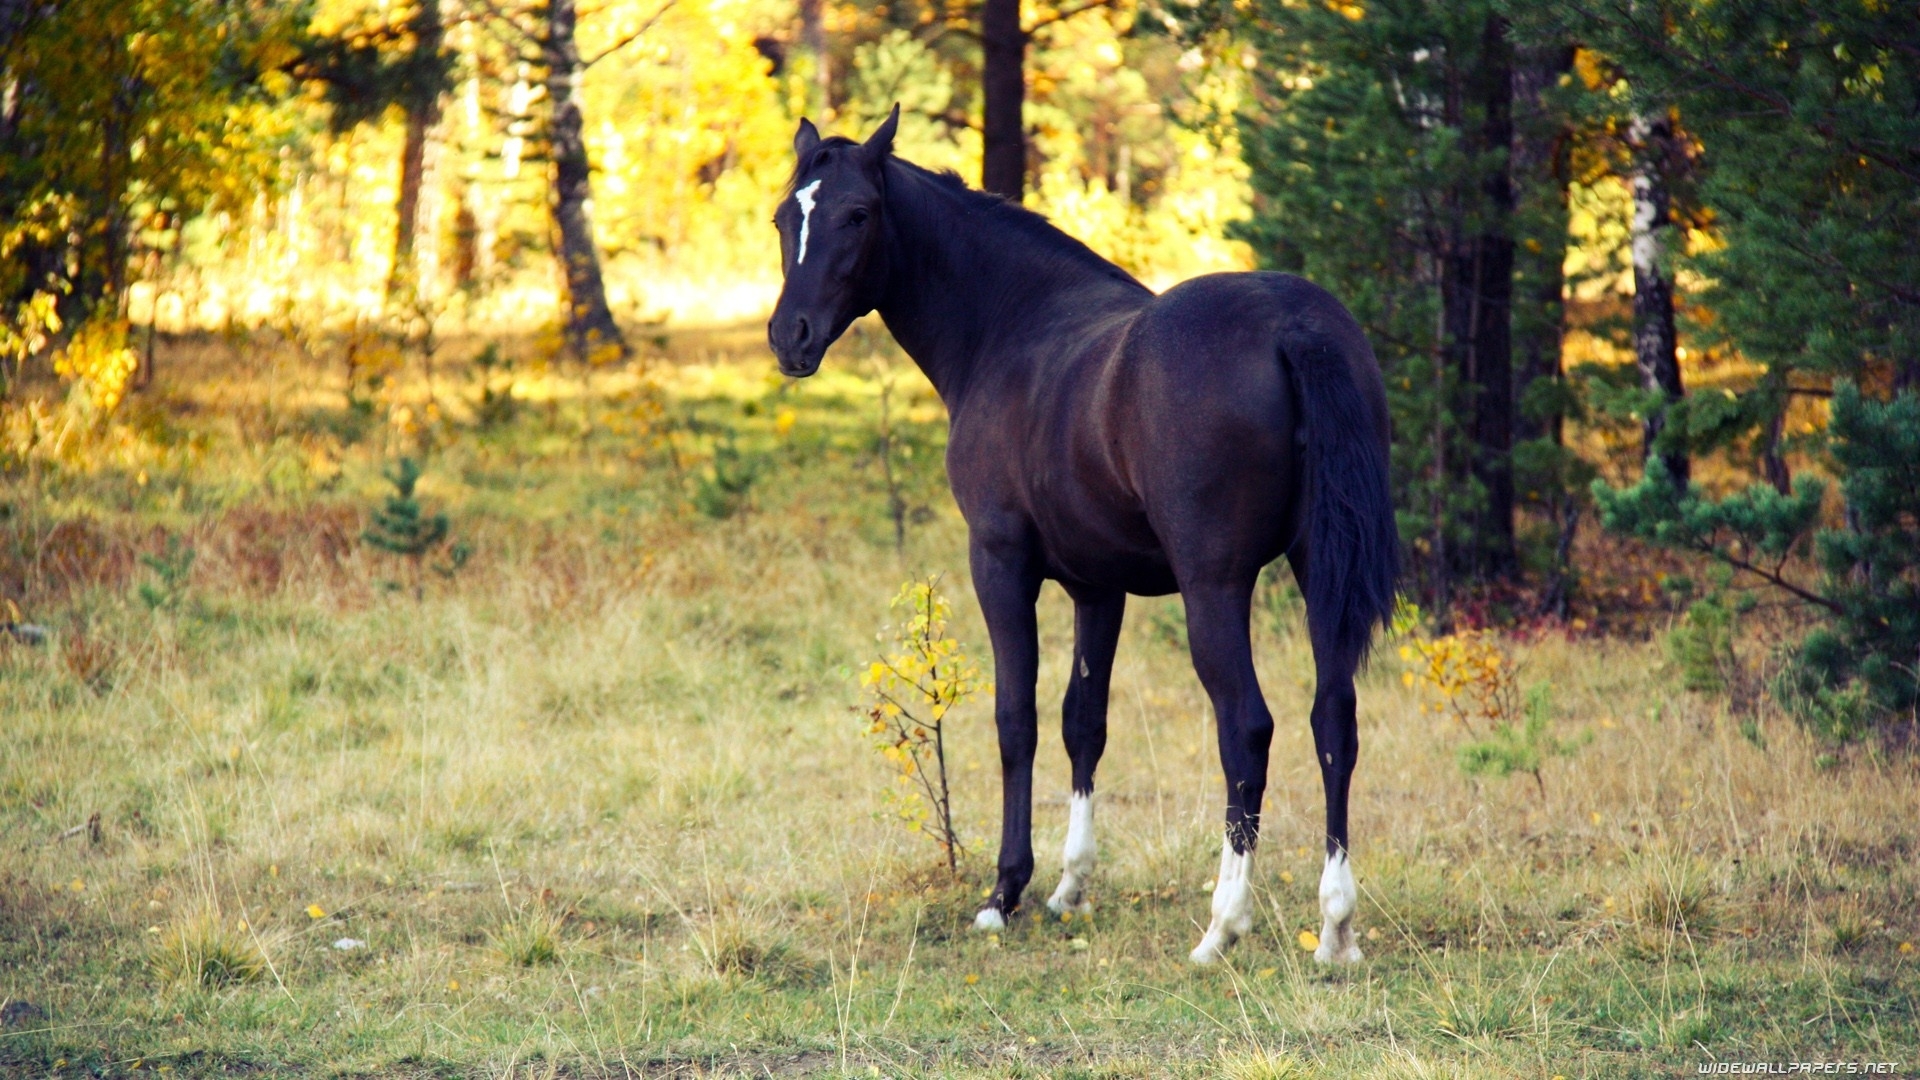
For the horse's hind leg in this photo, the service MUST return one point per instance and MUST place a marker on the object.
(1083, 725)
(1217, 632)
(1336, 741)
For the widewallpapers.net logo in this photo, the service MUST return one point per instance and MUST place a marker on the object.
(1799, 1068)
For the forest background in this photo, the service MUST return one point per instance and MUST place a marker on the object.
(1641, 276)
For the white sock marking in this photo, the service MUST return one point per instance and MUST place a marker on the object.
(1076, 859)
(805, 198)
(1338, 898)
(989, 919)
(1232, 905)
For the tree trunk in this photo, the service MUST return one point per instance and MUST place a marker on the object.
(1479, 304)
(589, 321)
(813, 38)
(1003, 86)
(1541, 139)
(423, 108)
(1493, 333)
(1773, 464)
(1655, 343)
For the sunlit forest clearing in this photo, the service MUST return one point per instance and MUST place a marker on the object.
(597, 801)
(436, 641)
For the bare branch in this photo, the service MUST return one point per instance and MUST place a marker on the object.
(507, 18)
(1063, 14)
(1707, 547)
(633, 37)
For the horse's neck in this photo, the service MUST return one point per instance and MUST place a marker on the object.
(969, 291)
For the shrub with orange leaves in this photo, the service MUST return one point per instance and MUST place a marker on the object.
(912, 691)
(1470, 675)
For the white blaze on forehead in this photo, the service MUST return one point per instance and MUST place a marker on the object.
(805, 198)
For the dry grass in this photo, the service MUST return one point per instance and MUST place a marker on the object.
(598, 802)
(205, 951)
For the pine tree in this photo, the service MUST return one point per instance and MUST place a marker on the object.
(1809, 120)
(1381, 142)
(1862, 663)
(401, 526)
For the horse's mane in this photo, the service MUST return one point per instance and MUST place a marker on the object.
(925, 187)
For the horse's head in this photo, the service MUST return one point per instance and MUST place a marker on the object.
(830, 247)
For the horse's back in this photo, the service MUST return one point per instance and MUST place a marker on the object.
(1215, 421)
(1169, 441)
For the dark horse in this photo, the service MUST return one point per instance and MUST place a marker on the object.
(1117, 442)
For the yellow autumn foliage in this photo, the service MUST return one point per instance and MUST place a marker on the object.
(911, 691)
(98, 360)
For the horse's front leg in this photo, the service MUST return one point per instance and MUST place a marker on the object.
(1007, 581)
(1097, 616)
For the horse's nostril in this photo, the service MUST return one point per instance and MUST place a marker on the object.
(802, 332)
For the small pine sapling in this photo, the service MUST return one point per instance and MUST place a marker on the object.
(402, 527)
(911, 692)
(724, 487)
(1509, 749)
(171, 568)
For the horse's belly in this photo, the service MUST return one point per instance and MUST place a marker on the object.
(1106, 554)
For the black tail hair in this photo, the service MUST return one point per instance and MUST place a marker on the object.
(1353, 541)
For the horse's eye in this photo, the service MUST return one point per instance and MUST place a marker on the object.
(858, 217)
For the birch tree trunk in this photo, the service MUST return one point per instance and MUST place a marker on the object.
(1655, 343)
(590, 322)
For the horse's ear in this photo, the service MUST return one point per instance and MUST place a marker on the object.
(880, 143)
(805, 139)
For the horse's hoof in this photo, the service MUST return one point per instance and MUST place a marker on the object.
(1062, 907)
(990, 919)
(1338, 947)
(1333, 955)
(1069, 901)
(1211, 948)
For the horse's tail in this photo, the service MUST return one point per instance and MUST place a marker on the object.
(1353, 542)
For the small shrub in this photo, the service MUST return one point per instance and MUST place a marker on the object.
(1470, 675)
(912, 691)
(495, 405)
(90, 660)
(99, 363)
(207, 951)
(1702, 645)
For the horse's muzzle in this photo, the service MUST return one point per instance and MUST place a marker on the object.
(798, 344)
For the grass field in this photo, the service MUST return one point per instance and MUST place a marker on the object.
(597, 803)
